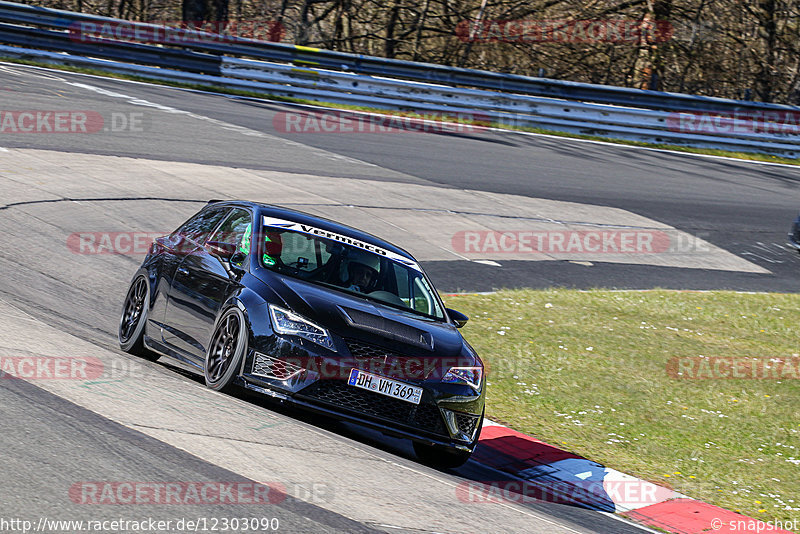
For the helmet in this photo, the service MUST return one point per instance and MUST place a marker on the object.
(363, 272)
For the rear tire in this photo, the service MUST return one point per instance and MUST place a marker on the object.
(226, 350)
(130, 333)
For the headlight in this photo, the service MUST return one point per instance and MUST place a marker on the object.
(287, 322)
(465, 375)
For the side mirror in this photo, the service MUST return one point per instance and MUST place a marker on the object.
(231, 258)
(459, 319)
(238, 258)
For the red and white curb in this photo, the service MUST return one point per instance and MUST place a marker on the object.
(546, 473)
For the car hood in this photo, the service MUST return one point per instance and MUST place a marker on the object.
(350, 316)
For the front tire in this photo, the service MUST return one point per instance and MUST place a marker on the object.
(226, 350)
(130, 333)
(441, 457)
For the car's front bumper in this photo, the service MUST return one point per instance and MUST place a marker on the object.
(448, 414)
(389, 428)
(794, 234)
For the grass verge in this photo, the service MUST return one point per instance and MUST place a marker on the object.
(750, 156)
(588, 371)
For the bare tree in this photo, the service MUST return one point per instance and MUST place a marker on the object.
(200, 11)
(728, 48)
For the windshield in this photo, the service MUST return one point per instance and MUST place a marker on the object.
(346, 264)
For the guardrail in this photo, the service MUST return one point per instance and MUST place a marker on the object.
(631, 114)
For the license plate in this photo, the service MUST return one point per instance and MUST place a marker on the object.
(385, 386)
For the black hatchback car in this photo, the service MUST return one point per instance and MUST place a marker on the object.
(315, 313)
(794, 234)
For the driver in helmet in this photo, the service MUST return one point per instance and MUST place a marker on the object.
(362, 277)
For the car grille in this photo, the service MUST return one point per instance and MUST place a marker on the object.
(426, 417)
(375, 359)
(466, 423)
(273, 368)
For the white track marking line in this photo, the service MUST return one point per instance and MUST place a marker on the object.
(224, 125)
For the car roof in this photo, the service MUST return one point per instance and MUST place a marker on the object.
(313, 220)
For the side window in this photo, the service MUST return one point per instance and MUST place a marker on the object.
(235, 231)
(423, 299)
(415, 292)
(243, 245)
(403, 286)
(201, 225)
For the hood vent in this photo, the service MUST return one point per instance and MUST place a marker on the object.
(387, 328)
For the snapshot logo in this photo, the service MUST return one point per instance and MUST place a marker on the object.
(575, 241)
(590, 492)
(564, 31)
(337, 122)
(722, 367)
(771, 122)
(755, 526)
(178, 32)
(68, 122)
(193, 493)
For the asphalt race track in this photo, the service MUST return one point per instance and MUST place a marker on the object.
(744, 208)
(150, 423)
